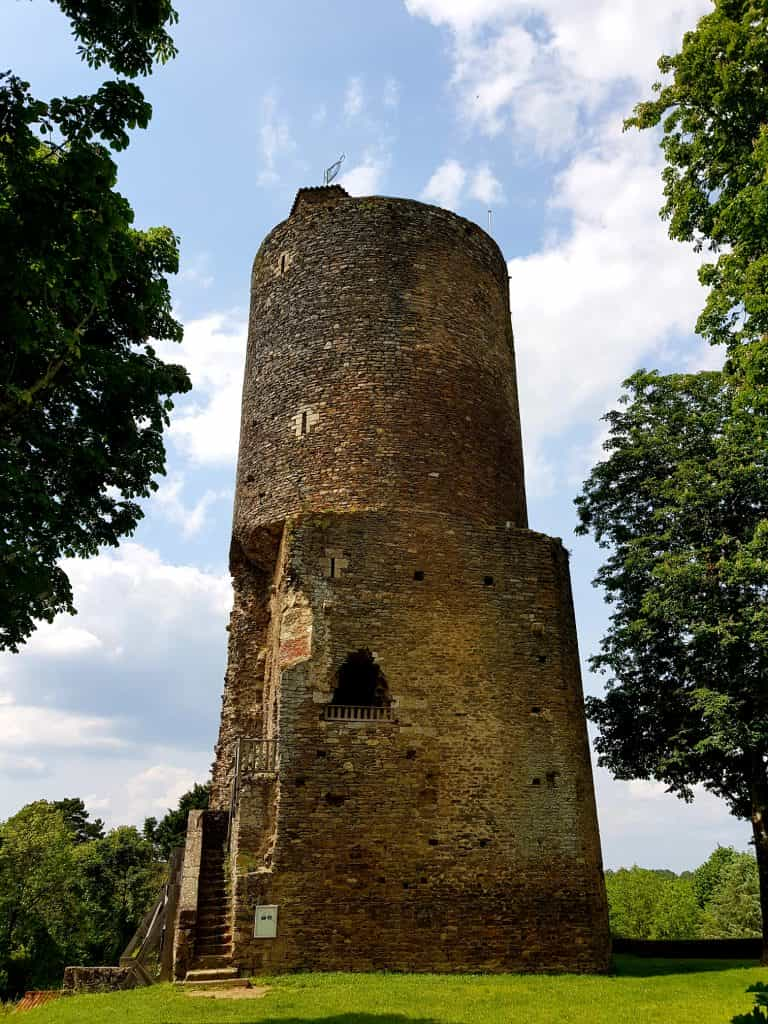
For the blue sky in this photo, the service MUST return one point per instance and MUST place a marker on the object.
(509, 105)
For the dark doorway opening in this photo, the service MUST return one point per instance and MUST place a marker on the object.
(361, 683)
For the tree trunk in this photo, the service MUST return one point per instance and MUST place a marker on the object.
(760, 832)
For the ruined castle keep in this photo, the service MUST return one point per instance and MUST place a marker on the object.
(402, 777)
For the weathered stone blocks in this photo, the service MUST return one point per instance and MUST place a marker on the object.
(380, 517)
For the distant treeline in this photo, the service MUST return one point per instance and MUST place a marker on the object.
(71, 893)
(719, 900)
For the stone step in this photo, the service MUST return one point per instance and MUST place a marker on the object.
(217, 983)
(206, 950)
(211, 961)
(213, 974)
(213, 946)
(212, 931)
(212, 926)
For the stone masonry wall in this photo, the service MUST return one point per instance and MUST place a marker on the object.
(462, 835)
(380, 368)
(380, 507)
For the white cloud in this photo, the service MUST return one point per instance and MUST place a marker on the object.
(353, 97)
(445, 186)
(540, 65)
(20, 766)
(611, 293)
(206, 426)
(103, 714)
(32, 726)
(191, 518)
(155, 789)
(391, 95)
(153, 597)
(61, 639)
(365, 179)
(134, 605)
(275, 139)
(452, 183)
(485, 186)
(196, 271)
(638, 817)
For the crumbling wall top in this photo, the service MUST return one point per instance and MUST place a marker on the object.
(319, 195)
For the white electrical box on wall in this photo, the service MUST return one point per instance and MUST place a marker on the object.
(265, 925)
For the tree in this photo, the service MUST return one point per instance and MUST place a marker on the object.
(68, 893)
(647, 904)
(84, 398)
(119, 879)
(707, 877)
(40, 923)
(681, 501)
(714, 116)
(76, 819)
(171, 830)
(733, 910)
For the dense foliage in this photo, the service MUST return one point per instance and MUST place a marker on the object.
(67, 901)
(719, 900)
(71, 893)
(84, 398)
(713, 109)
(172, 828)
(681, 504)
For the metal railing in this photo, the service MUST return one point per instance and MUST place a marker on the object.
(255, 755)
(354, 713)
(252, 757)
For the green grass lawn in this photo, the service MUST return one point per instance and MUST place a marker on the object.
(640, 992)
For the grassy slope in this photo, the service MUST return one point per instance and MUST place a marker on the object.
(641, 992)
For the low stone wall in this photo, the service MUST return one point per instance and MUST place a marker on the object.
(691, 949)
(186, 919)
(82, 980)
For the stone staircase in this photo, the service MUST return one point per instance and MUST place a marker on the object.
(212, 961)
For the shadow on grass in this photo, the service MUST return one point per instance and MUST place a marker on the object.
(356, 1018)
(626, 966)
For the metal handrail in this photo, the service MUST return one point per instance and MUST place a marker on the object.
(252, 757)
(255, 755)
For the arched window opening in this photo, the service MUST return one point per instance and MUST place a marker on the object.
(361, 683)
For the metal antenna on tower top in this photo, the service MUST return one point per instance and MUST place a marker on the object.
(490, 222)
(331, 172)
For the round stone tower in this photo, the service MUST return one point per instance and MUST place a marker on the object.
(403, 764)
